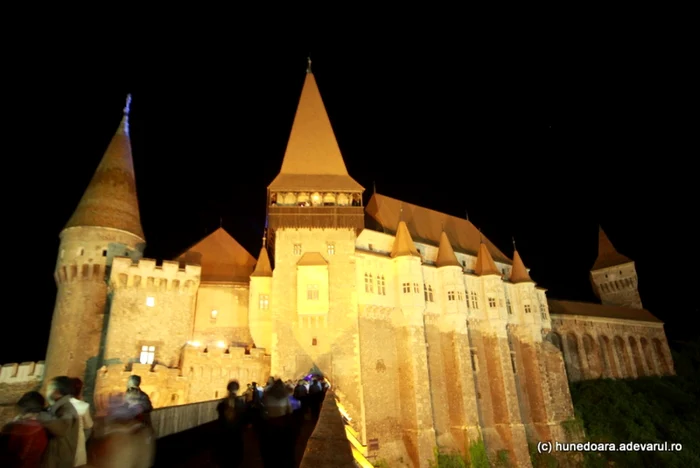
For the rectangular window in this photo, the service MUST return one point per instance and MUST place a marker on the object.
(406, 287)
(512, 362)
(264, 301)
(527, 308)
(381, 285)
(416, 289)
(331, 249)
(492, 302)
(148, 354)
(510, 309)
(475, 301)
(312, 292)
(541, 308)
(460, 296)
(297, 249)
(450, 295)
(369, 283)
(150, 301)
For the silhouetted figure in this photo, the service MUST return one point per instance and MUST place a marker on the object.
(138, 400)
(277, 435)
(315, 398)
(62, 424)
(23, 442)
(232, 421)
(84, 419)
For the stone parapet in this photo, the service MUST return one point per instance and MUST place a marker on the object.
(328, 444)
(24, 372)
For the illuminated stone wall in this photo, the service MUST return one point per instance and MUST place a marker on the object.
(617, 285)
(595, 347)
(230, 322)
(151, 306)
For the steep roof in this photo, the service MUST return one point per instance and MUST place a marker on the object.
(426, 225)
(221, 257)
(484, 263)
(598, 310)
(608, 256)
(446, 254)
(312, 161)
(110, 199)
(519, 273)
(263, 267)
(403, 243)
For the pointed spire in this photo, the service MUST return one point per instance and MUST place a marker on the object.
(608, 256)
(312, 160)
(446, 254)
(110, 200)
(263, 267)
(484, 261)
(519, 273)
(403, 243)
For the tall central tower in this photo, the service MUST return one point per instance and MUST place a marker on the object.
(314, 215)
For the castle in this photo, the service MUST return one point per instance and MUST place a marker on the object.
(429, 333)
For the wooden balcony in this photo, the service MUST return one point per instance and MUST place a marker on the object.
(321, 217)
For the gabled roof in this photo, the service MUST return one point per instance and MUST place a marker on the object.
(221, 257)
(312, 161)
(597, 310)
(608, 256)
(446, 254)
(312, 259)
(110, 200)
(426, 225)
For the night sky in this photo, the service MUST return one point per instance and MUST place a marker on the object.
(538, 142)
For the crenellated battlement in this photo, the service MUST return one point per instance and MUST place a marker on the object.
(146, 274)
(20, 373)
(80, 271)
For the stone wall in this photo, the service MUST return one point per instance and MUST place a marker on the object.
(328, 444)
(595, 347)
(15, 381)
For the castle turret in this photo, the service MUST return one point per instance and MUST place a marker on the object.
(259, 314)
(528, 301)
(485, 265)
(105, 224)
(452, 280)
(614, 276)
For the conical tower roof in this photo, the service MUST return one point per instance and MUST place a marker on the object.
(484, 262)
(446, 254)
(403, 243)
(263, 267)
(312, 161)
(519, 273)
(608, 256)
(110, 200)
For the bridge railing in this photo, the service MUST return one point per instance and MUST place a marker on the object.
(173, 419)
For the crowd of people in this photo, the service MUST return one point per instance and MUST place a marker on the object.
(275, 412)
(57, 430)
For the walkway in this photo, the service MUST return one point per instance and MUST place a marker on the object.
(193, 448)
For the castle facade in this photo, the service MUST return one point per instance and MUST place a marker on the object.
(429, 333)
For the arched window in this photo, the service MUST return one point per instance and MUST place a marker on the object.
(343, 199)
(303, 199)
(290, 199)
(329, 199)
(316, 199)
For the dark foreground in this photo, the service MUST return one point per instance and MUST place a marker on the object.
(194, 448)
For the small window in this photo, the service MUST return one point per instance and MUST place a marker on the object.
(148, 354)
(508, 306)
(460, 296)
(314, 342)
(369, 283)
(528, 309)
(104, 252)
(406, 287)
(381, 285)
(492, 302)
(214, 313)
(331, 249)
(475, 301)
(63, 252)
(263, 301)
(512, 362)
(416, 289)
(216, 394)
(297, 249)
(81, 251)
(430, 294)
(450, 295)
(312, 292)
(370, 247)
(474, 360)
(150, 301)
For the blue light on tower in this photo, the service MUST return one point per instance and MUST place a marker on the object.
(126, 114)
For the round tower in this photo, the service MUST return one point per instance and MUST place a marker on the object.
(105, 224)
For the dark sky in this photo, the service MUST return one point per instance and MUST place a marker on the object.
(537, 141)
